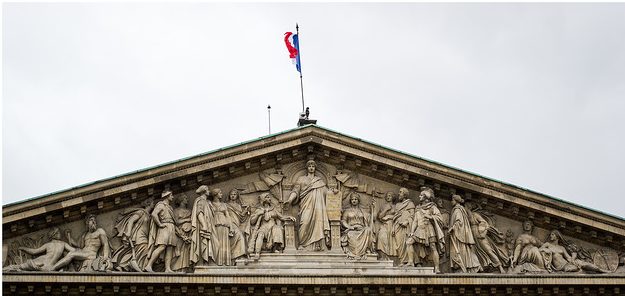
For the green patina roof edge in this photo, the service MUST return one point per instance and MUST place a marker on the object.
(298, 128)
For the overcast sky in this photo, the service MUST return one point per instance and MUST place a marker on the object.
(529, 94)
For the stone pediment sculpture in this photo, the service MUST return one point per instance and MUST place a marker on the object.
(308, 199)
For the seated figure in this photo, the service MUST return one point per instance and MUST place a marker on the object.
(357, 239)
(267, 229)
(94, 248)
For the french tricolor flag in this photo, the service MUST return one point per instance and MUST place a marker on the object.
(292, 44)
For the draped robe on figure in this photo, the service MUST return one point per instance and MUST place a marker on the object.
(462, 247)
(201, 247)
(313, 217)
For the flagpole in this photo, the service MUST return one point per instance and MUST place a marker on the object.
(269, 113)
(299, 56)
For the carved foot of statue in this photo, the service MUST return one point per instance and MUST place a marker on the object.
(148, 269)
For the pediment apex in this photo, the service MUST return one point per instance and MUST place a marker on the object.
(325, 145)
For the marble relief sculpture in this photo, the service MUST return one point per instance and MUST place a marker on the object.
(50, 252)
(557, 257)
(385, 239)
(182, 251)
(93, 247)
(490, 242)
(527, 256)
(267, 230)
(309, 192)
(228, 241)
(239, 214)
(133, 226)
(462, 245)
(402, 226)
(162, 236)
(427, 234)
(201, 230)
(207, 228)
(357, 239)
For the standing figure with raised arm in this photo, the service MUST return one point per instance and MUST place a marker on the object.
(93, 243)
(314, 227)
(162, 232)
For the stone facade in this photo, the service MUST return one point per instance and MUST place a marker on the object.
(282, 214)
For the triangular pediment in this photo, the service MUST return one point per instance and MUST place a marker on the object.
(345, 164)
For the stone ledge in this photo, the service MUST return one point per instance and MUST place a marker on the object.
(286, 278)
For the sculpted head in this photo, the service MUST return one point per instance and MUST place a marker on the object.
(354, 199)
(91, 223)
(311, 165)
(456, 199)
(265, 198)
(427, 194)
(528, 225)
(390, 197)
(202, 190)
(148, 204)
(182, 201)
(216, 194)
(167, 195)
(54, 233)
(403, 194)
(234, 195)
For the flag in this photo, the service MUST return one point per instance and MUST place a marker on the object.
(292, 44)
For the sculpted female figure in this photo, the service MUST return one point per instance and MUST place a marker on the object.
(490, 242)
(228, 240)
(238, 212)
(310, 192)
(462, 250)
(557, 257)
(402, 224)
(133, 227)
(526, 254)
(182, 252)
(357, 239)
(385, 241)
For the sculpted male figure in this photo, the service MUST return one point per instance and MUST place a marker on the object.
(162, 232)
(310, 192)
(427, 233)
(53, 250)
(93, 243)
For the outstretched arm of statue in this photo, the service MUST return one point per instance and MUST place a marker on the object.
(33, 251)
(291, 198)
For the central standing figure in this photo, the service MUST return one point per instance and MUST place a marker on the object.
(310, 192)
